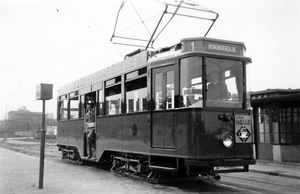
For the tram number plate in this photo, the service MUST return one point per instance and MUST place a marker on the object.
(243, 130)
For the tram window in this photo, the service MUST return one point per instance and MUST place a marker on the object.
(101, 103)
(224, 83)
(113, 81)
(191, 82)
(136, 73)
(163, 93)
(74, 108)
(63, 107)
(81, 106)
(113, 100)
(136, 95)
(170, 90)
(159, 103)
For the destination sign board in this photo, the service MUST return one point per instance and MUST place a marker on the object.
(214, 46)
(243, 130)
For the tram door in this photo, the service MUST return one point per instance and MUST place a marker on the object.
(90, 124)
(163, 134)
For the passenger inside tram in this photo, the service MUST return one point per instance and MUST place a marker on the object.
(217, 89)
(90, 128)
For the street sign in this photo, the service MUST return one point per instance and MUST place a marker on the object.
(44, 91)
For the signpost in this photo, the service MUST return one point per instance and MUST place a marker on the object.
(43, 92)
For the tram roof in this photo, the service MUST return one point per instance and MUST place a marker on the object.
(140, 58)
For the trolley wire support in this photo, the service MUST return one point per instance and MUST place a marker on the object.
(185, 6)
(122, 5)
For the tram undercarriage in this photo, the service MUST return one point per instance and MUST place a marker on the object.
(141, 167)
(70, 154)
(138, 167)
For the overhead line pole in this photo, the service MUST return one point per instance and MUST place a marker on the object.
(117, 20)
(212, 24)
(165, 11)
(178, 6)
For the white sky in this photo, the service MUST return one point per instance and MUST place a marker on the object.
(59, 41)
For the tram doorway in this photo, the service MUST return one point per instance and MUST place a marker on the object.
(162, 125)
(90, 125)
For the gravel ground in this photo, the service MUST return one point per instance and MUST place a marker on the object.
(31, 147)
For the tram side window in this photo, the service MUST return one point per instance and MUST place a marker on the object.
(74, 108)
(191, 82)
(82, 106)
(101, 103)
(113, 96)
(136, 93)
(63, 109)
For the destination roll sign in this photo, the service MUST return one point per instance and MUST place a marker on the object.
(213, 45)
(243, 132)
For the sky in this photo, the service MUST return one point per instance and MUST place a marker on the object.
(59, 41)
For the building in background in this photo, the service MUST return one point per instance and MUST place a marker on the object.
(276, 114)
(23, 123)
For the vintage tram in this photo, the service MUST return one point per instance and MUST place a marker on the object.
(175, 114)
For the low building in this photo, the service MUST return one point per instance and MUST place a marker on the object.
(276, 115)
(23, 123)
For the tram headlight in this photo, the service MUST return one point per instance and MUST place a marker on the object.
(227, 140)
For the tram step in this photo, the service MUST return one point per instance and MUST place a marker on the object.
(66, 150)
(162, 168)
(90, 159)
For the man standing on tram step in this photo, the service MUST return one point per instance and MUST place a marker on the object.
(90, 125)
(217, 90)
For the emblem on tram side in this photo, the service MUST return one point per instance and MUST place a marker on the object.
(243, 134)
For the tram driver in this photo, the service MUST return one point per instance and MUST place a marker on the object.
(90, 126)
(217, 89)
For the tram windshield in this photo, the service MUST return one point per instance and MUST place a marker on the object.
(224, 82)
(191, 82)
